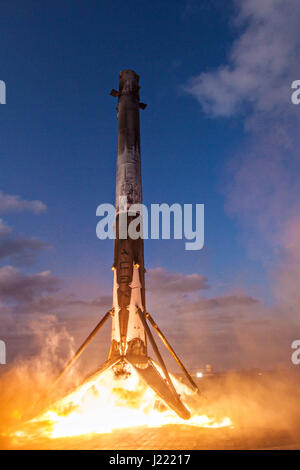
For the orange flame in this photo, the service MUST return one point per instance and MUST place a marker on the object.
(105, 403)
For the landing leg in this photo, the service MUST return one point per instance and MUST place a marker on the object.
(171, 351)
(84, 345)
(156, 350)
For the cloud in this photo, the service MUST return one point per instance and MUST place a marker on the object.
(159, 279)
(16, 286)
(221, 302)
(262, 63)
(31, 305)
(62, 305)
(20, 251)
(234, 329)
(13, 203)
(35, 294)
(231, 330)
(263, 186)
(4, 228)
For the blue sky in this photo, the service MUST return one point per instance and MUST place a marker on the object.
(60, 59)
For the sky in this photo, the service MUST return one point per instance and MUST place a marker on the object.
(219, 129)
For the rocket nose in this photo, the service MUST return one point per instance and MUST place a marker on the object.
(128, 78)
(126, 74)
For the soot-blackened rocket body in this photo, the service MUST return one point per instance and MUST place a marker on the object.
(128, 334)
(130, 328)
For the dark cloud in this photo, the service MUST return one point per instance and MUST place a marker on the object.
(33, 304)
(222, 302)
(20, 251)
(39, 293)
(159, 279)
(15, 286)
(63, 304)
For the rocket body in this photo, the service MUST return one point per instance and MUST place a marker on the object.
(129, 326)
(128, 335)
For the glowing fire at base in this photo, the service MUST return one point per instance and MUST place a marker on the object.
(105, 403)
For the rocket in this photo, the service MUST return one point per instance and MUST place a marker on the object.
(130, 331)
(128, 334)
